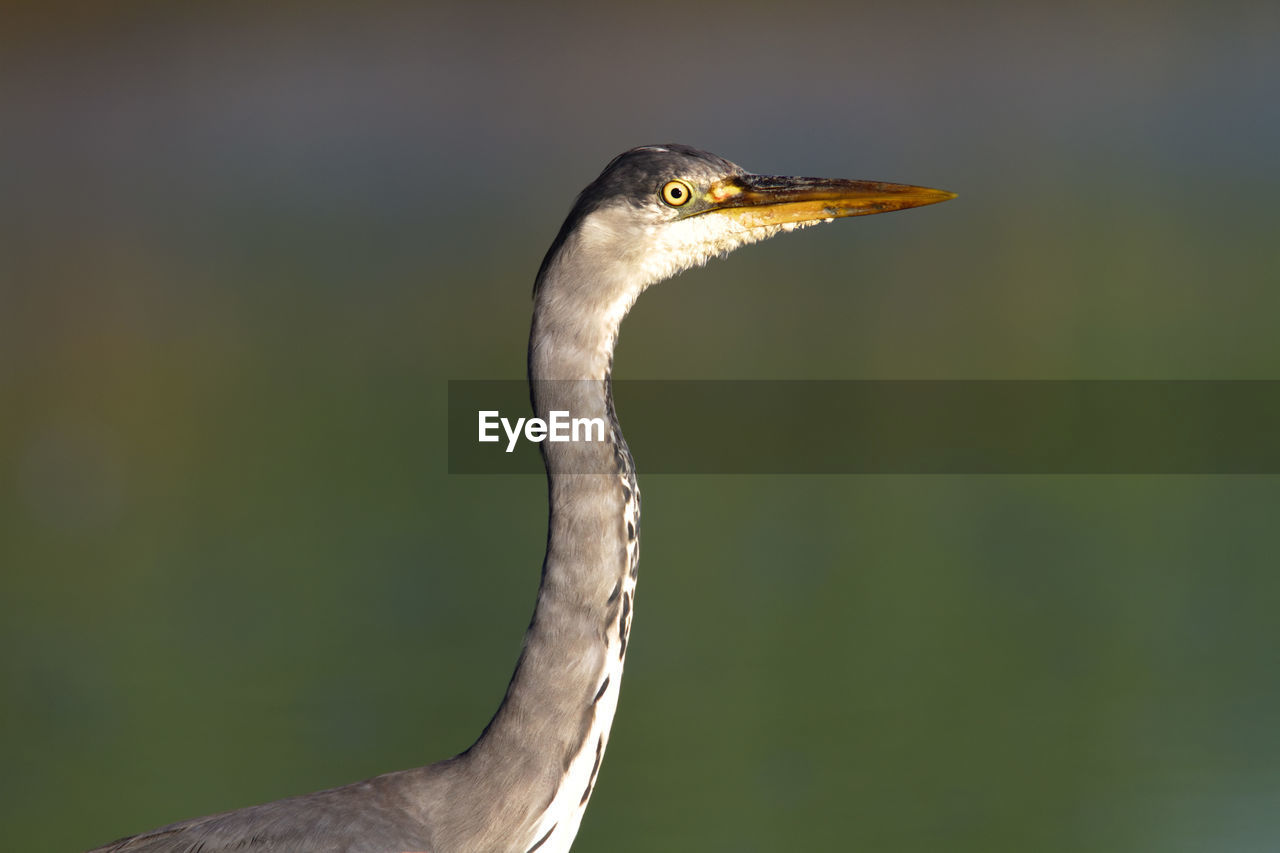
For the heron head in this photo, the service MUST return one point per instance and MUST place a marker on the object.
(660, 209)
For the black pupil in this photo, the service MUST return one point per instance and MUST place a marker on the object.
(677, 192)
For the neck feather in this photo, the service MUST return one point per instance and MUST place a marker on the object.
(547, 740)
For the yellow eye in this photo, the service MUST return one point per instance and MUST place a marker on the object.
(676, 193)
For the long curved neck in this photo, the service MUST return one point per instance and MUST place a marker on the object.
(547, 740)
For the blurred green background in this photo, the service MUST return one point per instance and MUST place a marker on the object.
(243, 248)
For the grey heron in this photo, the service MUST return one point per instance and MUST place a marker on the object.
(525, 783)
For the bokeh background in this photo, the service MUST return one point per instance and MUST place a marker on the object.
(243, 248)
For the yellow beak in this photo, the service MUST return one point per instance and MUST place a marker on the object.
(761, 200)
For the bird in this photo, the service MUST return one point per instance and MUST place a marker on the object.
(525, 783)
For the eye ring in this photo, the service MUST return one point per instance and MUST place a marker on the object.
(676, 193)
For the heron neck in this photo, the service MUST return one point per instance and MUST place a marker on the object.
(548, 737)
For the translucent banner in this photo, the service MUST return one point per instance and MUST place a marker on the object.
(888, 427)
